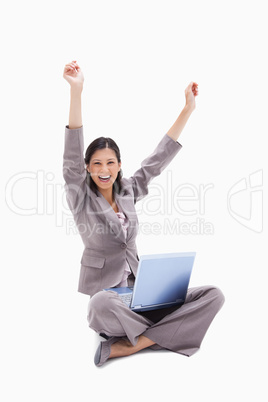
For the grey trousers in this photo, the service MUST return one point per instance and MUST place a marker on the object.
(181, 331)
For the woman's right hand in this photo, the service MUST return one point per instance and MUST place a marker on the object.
(73, 74)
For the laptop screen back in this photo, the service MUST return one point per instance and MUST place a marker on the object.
(162, 279)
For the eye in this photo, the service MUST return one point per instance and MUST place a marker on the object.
(96, 163)
(110, 162)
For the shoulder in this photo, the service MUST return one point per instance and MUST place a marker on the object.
(126, 186)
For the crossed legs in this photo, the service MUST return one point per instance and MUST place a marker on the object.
(181, 331)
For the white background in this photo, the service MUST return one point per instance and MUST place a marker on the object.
(137, 57)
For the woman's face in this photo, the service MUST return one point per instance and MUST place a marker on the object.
(103, 168)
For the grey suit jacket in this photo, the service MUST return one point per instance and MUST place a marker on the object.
(106, 248)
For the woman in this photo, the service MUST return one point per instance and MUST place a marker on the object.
(103, 206)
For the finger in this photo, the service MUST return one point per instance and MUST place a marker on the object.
(191, 86)
(69, 67)
(72, 64)
(69, 71)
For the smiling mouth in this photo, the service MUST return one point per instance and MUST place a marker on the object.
(104, 179)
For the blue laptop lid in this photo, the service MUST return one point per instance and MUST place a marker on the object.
(162, 279)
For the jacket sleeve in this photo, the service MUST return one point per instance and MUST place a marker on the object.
(74, 172)
(153, 165)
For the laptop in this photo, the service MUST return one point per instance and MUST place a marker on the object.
(162, 281)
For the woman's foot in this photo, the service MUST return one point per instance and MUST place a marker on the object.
(125, 348)
(118, 347)
(103, 351)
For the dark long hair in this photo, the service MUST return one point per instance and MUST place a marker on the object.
(101, 143)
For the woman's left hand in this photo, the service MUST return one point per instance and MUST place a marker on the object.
(190, 93)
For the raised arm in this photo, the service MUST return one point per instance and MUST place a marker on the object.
(74, 171)
(190, 92)
(152, 166)
(166, 150)
(74, 75)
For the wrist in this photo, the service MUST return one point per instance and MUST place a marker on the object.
(76, 89)
(188, 109)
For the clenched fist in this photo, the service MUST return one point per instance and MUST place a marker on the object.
(73, 74)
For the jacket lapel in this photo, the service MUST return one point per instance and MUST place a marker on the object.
(103, 208)
(111, 217)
